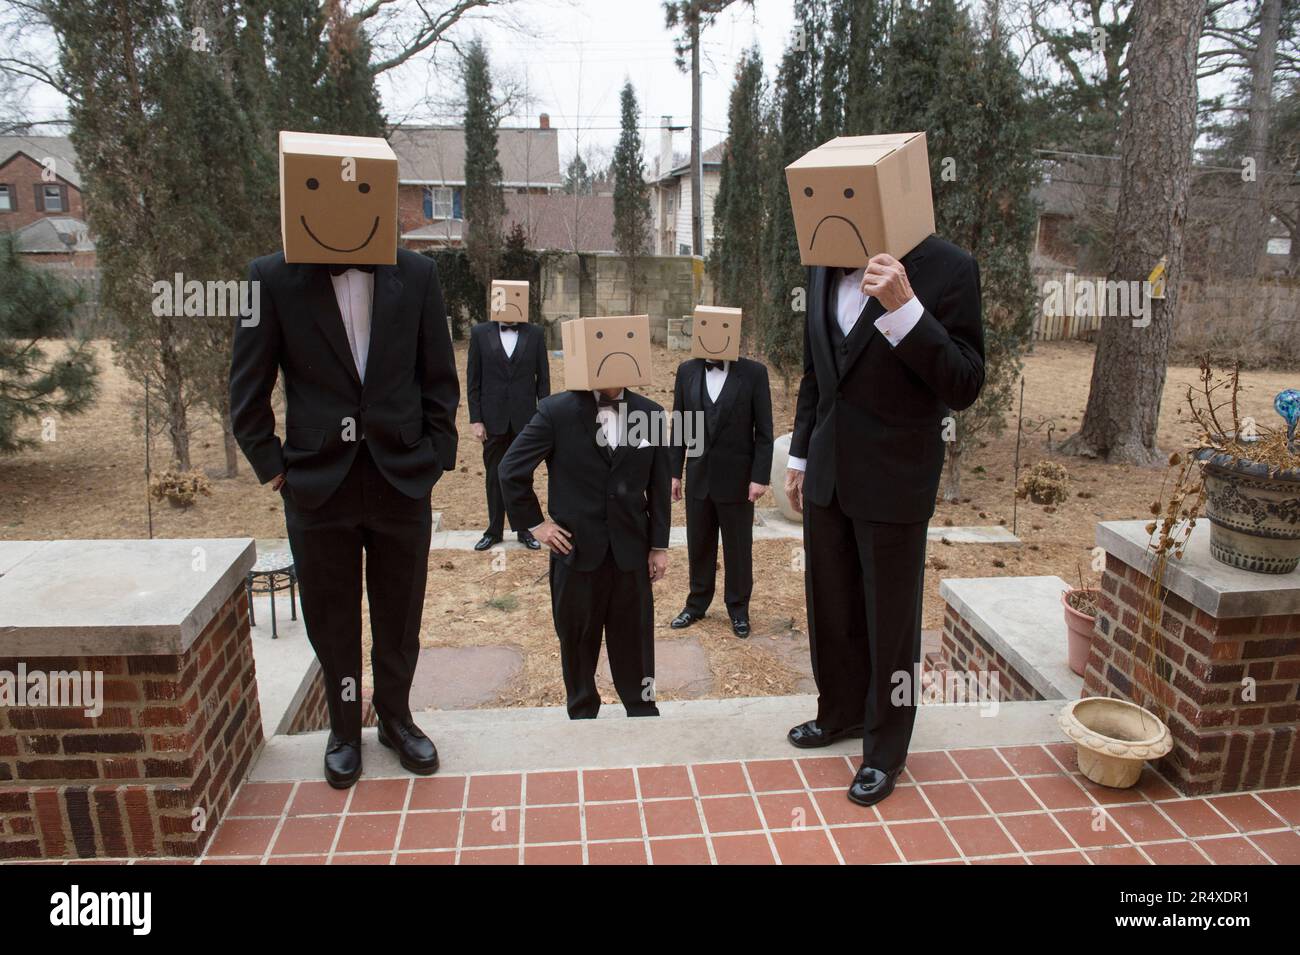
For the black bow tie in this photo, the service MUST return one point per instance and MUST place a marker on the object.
(711, 365)
(340, 269)
(507, 326)
(606, 402)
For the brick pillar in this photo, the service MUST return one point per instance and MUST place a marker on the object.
(1231, 679)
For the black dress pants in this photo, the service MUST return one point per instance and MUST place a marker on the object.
(864, 584)
(620, 605)
(704, 519)
(494, 449)
(366, 514)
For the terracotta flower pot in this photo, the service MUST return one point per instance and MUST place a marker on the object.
(1114, 738)
(1078, 631)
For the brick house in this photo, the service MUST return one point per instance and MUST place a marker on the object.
(41, 199)
(431, 177)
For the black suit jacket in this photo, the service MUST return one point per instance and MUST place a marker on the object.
(871, 423)
(503, 391)
(623, 503)
(406, 410)
(738, 449)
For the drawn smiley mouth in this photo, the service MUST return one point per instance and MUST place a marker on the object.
(724, 347)
(373, 229)
(848, 222)
(626, 355)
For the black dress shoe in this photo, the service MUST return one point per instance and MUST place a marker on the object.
(872, 785)
(685, 619)
(415, 750)
(740, 627)
(811, 736)
(528, 540)
(486, 541)
(342, 762)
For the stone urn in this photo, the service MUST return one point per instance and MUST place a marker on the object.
(1115, 738)
(1254, 513)
(781, 455)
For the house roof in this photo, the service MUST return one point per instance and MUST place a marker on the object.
(582, 223)
(60, 234)
(39, 148)
(682, 164)
(435, 155)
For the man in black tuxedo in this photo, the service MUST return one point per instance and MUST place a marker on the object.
(726, 473)
(889, 350)
(506, 375)
(370, 425)
(608, 488)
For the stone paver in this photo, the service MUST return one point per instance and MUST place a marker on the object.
(458, 678)
(681, 669)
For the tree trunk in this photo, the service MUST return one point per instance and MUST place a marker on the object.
(228, 439)
(1156, 135)
(1252, 226)
(173, 378)
(952, 482)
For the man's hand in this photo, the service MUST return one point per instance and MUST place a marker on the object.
(554, 536)
(480, 432)
(885, 279)
(658, 564)
(277, 482)
(756, 491)
(677, 489)
(794, 489)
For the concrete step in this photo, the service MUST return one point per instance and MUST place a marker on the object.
(688, 731)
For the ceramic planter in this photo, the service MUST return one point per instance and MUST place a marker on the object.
(1115, 738)
(1078, 632)
(1254, 515)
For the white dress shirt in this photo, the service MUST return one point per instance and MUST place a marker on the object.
(509, 337)
(608, 418)
(850, 300)
(355, 290)
(715, 378)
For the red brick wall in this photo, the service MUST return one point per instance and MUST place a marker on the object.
(962, 649)
(24, 173)
(313, 715)
(151, 775)
(1223, 740)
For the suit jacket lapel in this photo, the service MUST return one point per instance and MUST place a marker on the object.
(324, 307)
(383, 311)
(821, 311)
(864, 332)
(727, 396)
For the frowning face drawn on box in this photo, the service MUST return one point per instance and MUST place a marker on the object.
(509, 301)
(715, 333)
(338, 199)
(607, 352)
(844, 223)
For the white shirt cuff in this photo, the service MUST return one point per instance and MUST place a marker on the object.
(896, 324)
(797, 464)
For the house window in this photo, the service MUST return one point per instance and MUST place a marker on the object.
(52, 199)
(441, 202)
(7, 199)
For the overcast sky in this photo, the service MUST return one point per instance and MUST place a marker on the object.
(572, 57)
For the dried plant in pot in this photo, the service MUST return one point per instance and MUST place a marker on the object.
(1080, 605)
(1252, 479)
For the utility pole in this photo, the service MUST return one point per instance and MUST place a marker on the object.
(697, 160)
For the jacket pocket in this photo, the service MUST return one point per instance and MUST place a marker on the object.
(411, 432)
(305, 439)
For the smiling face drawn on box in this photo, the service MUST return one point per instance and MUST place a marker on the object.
(323, 186)
(509, 301)
(715, 333)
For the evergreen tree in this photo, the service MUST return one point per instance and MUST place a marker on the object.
(739, 217)
(37, 306)
(631, 192)
(484, 204)
(578, 179)
(868, 35)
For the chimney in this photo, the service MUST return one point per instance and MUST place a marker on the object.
(665, 145)
(544, 121)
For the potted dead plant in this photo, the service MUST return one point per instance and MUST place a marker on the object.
(1080, 605)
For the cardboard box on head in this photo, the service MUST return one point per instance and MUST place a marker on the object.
(715, 333)
(338, 199)
(508, 301)
(607, 352)
(858, 196)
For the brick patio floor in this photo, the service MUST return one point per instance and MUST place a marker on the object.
(1012, 805)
